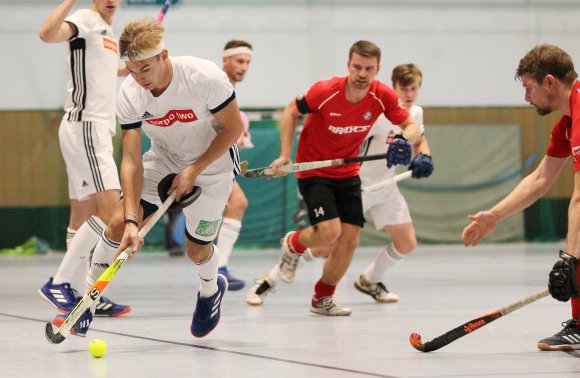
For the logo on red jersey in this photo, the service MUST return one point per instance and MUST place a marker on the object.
(576, 153)
(181, 115)
(367, 116)
(110, 44)
(348, 129)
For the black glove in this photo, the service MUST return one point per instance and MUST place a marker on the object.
(399, 151)
(422, 166)
(562, 283)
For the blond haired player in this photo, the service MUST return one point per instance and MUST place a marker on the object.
(85, 141)
(188, 108)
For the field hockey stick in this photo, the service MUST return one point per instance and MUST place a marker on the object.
(387, 182)
(164, 10)
(472, 325)
(299, 167)
(103, 281)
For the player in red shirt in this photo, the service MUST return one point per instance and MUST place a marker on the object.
(551, 83)
(340, 111)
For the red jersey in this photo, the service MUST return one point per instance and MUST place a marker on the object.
(565, 139)
(335, 128)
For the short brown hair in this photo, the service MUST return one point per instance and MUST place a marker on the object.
(365, 48)
(237, 43)
(406, 74)
(547, 59)
(139, 36)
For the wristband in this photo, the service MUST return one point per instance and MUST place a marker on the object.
(131, 221)
(129, 216)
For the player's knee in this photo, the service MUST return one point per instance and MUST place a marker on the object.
(406, 245)
(116, 228)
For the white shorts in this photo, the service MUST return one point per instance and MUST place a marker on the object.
(203, 218)
(87, 149)
(386, 206)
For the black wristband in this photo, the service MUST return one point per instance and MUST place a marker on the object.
(127, 221)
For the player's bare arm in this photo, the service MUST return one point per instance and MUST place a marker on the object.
(411, 131)
(528, 191)
(229, 118)
(287, 130)
(132, 185)
(54, 29)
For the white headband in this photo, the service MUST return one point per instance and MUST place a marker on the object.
(237, 50)
(144, 54)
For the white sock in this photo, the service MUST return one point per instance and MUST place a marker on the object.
(274, 274)
(74, 265)
(207, 270)
(385, 260)
(70, 234)
(227, 237)
(103, 256)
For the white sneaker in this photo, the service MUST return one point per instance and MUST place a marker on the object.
(327, 306)
(256, 295)
(288, 261)
(377, 291)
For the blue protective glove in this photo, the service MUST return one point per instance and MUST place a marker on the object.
(399, 151)
(422, 166)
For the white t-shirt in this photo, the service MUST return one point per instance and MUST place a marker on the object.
(92, 75)
(180, 121)
(377, 142)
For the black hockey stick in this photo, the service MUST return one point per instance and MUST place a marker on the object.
(105, 278)
(472, 325)
(306, 166)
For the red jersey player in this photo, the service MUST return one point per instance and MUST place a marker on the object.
(340, 112)
(551, 83)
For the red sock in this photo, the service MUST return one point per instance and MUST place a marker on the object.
(576, 301)
(295, 244)
(323, 290)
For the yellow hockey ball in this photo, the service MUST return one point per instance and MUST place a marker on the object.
(97, 348)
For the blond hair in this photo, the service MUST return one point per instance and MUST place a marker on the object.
(140, 36)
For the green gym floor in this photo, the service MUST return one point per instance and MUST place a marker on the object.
(441, 287)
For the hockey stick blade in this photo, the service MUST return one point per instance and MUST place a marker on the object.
(472, 325)
(53, 338)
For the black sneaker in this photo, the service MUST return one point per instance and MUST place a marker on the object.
(566, 339)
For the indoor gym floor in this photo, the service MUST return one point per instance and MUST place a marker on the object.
(441, 287)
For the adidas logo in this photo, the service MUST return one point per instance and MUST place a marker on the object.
(146, 115)
(84, 184)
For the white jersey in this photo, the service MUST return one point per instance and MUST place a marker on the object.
(180, 121)
(92, 74)
(377, 142)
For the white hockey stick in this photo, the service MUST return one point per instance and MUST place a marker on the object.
(387, 182)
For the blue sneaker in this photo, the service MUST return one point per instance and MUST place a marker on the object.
(61, 296)
(107, 307)
(207, 310)
(234, 284)
(80, 328)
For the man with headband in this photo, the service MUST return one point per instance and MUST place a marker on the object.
(236, 60)
(188, 108)
(85, 136)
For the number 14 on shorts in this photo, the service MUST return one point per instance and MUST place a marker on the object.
(318, 211)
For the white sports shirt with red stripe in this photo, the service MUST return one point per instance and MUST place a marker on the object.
(335, 128)
(565, 139)
(180, 121)
(378, 141)
(92, 75)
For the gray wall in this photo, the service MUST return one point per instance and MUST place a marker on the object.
(468, 50)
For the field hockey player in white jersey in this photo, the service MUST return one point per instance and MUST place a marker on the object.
(386, 206)
(85, 136)
(187, 107)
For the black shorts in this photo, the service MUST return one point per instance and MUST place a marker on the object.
(329, 199)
